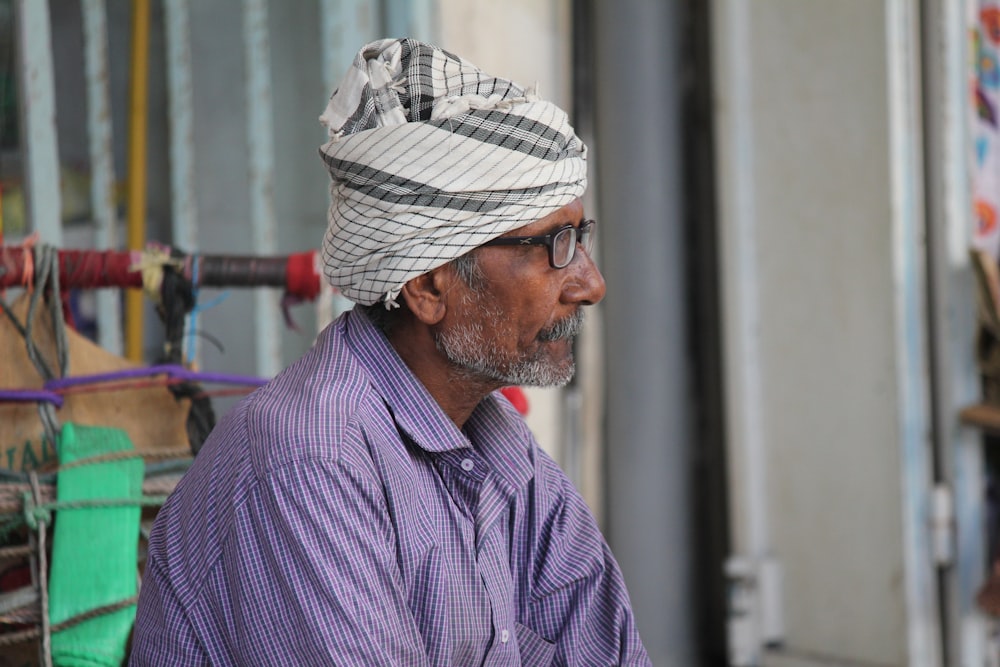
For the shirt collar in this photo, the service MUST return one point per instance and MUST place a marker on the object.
(503, 439)
(500, 435)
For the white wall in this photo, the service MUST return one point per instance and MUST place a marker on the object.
(524, 40)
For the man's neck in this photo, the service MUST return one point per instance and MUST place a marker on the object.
(456, 390)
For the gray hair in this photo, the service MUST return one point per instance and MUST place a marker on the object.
(466, 267)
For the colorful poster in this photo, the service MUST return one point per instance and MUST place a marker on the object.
(986, 133)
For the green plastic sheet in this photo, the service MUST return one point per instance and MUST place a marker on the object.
(94, 549)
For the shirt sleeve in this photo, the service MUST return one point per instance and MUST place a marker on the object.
(312, 574)
(163, 634)
(579, 601)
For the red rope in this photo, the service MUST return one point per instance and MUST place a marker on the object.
(91, 269)
(79, 269)
(302, 275)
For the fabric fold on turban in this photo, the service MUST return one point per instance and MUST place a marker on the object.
(431, 157)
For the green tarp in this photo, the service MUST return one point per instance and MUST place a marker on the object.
(94, 549)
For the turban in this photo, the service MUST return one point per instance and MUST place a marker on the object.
(431, 157)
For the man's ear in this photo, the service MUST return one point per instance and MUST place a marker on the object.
(425, 294)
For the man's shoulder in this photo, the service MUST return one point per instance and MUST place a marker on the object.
(308, 412)
(312, 409)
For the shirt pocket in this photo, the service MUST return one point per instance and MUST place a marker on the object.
(535, 651)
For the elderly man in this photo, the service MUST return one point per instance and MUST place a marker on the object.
(379, 502)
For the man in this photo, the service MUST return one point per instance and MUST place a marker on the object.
(378, 502)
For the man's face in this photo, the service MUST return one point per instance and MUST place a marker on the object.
(516, 322)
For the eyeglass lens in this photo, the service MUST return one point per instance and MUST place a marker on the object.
(587, 231)
(563, 246)
(564, 243)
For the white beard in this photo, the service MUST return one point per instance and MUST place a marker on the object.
(463, 346)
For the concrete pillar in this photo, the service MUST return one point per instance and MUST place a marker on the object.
(638, 157)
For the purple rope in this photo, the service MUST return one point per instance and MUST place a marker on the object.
(30, 396)
(173, 371)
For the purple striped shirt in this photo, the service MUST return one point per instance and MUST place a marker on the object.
(338, 516)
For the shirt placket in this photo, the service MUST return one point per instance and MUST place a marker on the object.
(492, 560)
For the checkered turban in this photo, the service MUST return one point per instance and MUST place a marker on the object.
(431, 157)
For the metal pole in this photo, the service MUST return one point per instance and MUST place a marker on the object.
(102, 168)
(638, 157)
(260, 144)
(346, 26)
(912, 351)
(410, 18)
(948, 110)
(38, 116)
(137, 168)
(752, 555)
(181, 118)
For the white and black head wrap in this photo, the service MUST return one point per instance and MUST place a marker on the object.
(431, 157)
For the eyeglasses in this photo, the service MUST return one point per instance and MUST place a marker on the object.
(561, 243)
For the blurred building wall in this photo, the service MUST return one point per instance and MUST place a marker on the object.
(829, 179)
(808, 264)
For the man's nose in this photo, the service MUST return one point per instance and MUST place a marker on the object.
(585, 284)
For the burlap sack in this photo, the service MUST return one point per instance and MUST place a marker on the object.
(151, 416)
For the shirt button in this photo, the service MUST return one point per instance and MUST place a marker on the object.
(504, 636)
(468, 464)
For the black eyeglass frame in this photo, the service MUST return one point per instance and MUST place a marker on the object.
(582, 234)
